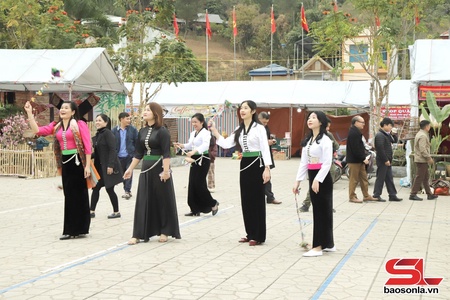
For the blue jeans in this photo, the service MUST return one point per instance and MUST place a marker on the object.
(125, 163)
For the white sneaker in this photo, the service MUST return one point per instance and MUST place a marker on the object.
(312, 253)
(330, 249)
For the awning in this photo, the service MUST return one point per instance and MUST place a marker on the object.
(61, 70)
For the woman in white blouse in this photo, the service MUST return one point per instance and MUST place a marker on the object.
(316, 162)
(199, 197)
(251, 139)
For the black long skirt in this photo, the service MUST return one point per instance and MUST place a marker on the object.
(77, 217)
(199, 197)
(322, 203)
(253, 199)
(156, 210)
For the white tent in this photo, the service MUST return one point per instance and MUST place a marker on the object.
(429, 64)
(81, 70)
(295, 93)
(429, 61)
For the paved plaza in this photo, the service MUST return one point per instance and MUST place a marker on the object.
(208, 262)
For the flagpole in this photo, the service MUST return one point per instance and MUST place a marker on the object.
(234, 41)
(207, 57)
(271, 43)
(303, 69)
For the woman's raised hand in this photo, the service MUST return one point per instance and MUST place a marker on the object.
(28, 108)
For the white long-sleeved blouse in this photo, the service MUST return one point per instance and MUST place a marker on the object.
(316, 153)
(199, 142)
(256, 140)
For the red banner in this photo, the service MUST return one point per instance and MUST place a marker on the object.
(397, 112)
(442, 93)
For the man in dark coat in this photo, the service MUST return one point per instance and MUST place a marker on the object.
(126, 136)
(383, 146)
(357, 161)
(270, 197)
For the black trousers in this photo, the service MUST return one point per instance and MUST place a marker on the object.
(322, 204)
(384, 175)
(96, 195)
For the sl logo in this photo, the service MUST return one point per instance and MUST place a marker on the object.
(410, 267)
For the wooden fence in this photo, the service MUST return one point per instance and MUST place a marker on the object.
(22, 161)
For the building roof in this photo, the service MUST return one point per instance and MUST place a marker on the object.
(213, 18)
(277, 70)
(313, 60)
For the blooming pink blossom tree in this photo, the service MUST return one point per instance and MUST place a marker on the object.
(12, 132)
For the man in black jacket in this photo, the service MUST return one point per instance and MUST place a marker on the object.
(270, 197)
(383, 146)
(357, 161)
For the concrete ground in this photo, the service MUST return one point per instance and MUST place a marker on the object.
(208, 262)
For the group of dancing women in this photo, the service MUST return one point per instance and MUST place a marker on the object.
(155, 210)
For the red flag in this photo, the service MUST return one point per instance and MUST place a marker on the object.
(304, 23)
(335, 7)
(416, 18)
(175, 25)
(272, 22)
(208, 27)
(377, 21)
(234, 23)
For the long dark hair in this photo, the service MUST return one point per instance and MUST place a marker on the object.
(238, 131)
(74, 108)
(201, 118)
(323, 127)
(106, 119)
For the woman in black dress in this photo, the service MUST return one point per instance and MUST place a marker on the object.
(251, 138)
(316, 159)
(107, 163)
(199, 197)
(156, 210)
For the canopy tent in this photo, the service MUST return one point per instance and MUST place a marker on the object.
(292, 93)
(359, 93)
(429, 61)
(282, 98)
(429, 65)
(62, 70)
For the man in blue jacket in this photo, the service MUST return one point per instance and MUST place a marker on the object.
(126, 137)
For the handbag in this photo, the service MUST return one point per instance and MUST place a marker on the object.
(92, 180)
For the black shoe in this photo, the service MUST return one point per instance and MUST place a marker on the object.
(214, 211)
(431, 197)
(66, 237)
(380, 199)
(415, 198)
(114, 215)
(92, 214)
(395, 198)
(304, 208)
(191, 214)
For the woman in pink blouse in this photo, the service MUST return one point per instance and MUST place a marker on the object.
(73, 150)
